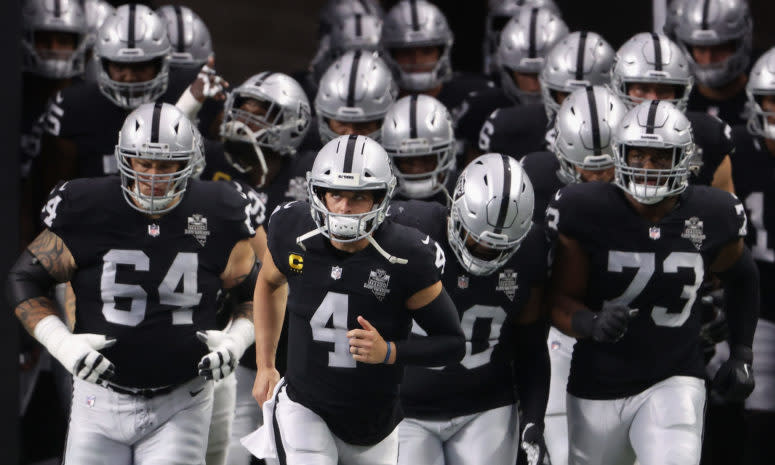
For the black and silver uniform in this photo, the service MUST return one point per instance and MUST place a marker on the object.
(731, 111)
(328, 290)
(82, 114)
(713, 138)
(471, 115)
(454, 91)
(149, 283)
(542, 169)
(654, 267)
(515, 131)
(754, 177)
(488, 307)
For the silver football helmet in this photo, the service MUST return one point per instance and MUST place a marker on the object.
(675, 8)
(585, 125)
(65, 16)
(350, 163)
(418, 23)
(761, 82)
(355, 32)
(279, 125)
(156, 132)
(498, 14)
(714, 22)
(653, 58)
(525, 41)
(134, 34)
(188, 35)
(493, 205)
(335, 11)
(357, 87)
(580, 59)
(420, 126)
(654, 124)
(97, 11)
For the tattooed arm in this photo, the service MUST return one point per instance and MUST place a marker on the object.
(47, 260)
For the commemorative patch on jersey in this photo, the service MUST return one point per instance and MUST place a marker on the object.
(378, 283)
(336, 272)
(197, 227)
(507, 283)
(297, 188)
(693, 230)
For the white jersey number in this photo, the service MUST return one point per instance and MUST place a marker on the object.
(334, 307)
(644, 263)
(495, 315)
(184, 268)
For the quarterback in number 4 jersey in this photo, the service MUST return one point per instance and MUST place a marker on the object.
(630, 258)
(146, 253)
(466, 412)
(354, 284)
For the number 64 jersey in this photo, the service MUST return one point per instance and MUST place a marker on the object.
(149, 283)
(656, 268)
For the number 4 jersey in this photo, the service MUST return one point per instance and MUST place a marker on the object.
(150, 283)
(656, 268)
(328, 290)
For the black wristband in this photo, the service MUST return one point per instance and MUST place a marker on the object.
(583, 322)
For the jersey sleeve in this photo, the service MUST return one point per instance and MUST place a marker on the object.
(426, 262)
(72, 213)
(279, 233)
(257, 208)
(235, 209)
(537, 248)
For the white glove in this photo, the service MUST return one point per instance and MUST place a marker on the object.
(227, 348)
(78, 353)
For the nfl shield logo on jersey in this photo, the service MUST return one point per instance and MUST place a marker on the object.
(154, 230)
(462, 282)
(336, 272)
(90, 401)
(654, 233)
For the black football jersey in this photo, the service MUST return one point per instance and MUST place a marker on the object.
(515, 131)
(474, 111)
(81, 113)
(713, 138)
(454, 91)
(542, 169)
(754, 177)
(730, 111)
(328, 290)
(488, 307)
(149, 283)
(654, 267)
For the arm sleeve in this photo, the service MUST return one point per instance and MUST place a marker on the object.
(533, 370)
(445, 342)
(741, 287)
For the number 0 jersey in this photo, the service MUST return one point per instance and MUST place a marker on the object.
(656, 268)
(328, 290)
(149, 283)
(488, 307)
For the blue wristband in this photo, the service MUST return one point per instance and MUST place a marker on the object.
(387, 355)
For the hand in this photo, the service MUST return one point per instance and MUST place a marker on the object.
(263, 387)
(227, 348)
(608, 325)
(716, 329)
(734, 380)
(534, 445)
(366, 345)
(208, 84)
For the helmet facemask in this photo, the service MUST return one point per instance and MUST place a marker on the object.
(343, 227)
(649, 185)
(759, 123)
(130, 95)
(426, 184)
(502, 249)
(56, 64)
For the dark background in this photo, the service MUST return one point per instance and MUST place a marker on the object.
(250, 36)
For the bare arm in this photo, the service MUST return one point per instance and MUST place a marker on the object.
(268, 301)
(722, 178)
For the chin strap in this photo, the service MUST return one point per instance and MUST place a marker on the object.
(388, 257)
(304, 237)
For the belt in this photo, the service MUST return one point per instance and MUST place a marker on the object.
(148, 393)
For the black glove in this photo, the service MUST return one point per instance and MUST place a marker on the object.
(714, 327)
(734, 380)
(534, 445)
(607, 325)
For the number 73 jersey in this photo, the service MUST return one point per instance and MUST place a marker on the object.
(656, 268)
(150, 283)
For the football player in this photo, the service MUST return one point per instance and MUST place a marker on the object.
(650, 66)
(335, 11)
(717, 37)
(579, 59)
(146, 253)
(418, 43)
(354, 283)
(584, 128)
(520, 56)
(466, 412)
(420, 141)
(188, 36)
(626, 288)
(97, 11)
(754, 162)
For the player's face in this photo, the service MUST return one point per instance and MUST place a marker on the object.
(527, 82)
(651, 91)
(417, 59)
(479, 251)
(360, 128)
(710, 54)
(154, 185)
(606, 175)
(255, 107)
(650, 159)
(349, 202)
(768, 105)
(132, 72)
(55, 41)
(416, 165)
(559, 96)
